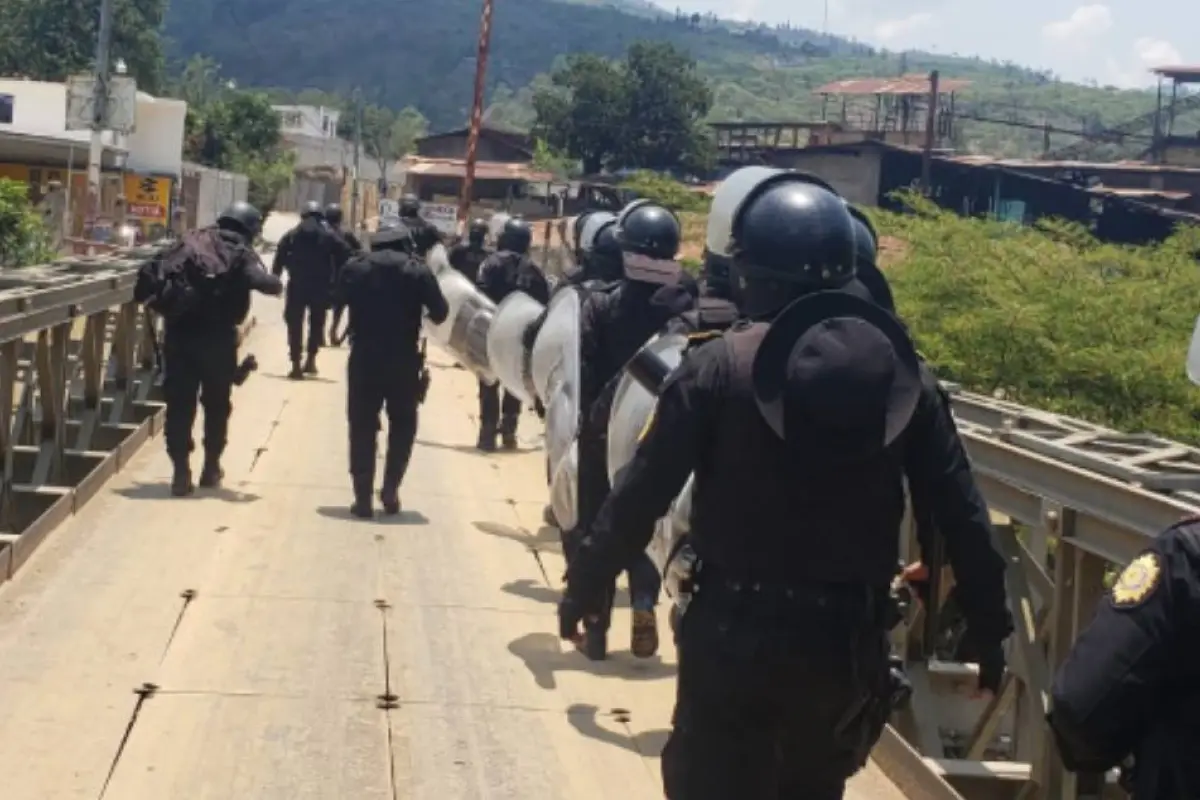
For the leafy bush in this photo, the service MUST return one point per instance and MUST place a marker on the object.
(662, 189)
(1052, 318)
(23, 237)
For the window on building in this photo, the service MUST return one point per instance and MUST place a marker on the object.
(325, 124)
(293, 119)
(6, 109)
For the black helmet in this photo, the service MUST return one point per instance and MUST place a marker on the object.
(410, 206)
(604, 260)
(867, 272)
(649, 229)
(516, 237)
(787, 234)
(333, 214)
(243, 218)
(477, 231)
(311, 209)
(392, 234)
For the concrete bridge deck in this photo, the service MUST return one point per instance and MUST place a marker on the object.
(244, 644)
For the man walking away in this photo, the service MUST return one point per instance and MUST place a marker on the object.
(466, 257)
(311, 253)
(386, 291)
(333, 215)
(201, 287)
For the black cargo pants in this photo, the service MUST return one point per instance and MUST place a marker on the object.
(378, 382)
(593, 487)
(496, 416)
(777, 698)
(298, 304)
(200, 368)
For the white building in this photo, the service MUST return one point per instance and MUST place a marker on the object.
(317, 122)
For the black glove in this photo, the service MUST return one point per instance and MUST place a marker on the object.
(988, 652)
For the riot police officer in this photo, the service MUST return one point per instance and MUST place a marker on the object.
(798, 426)
(1128, 686)
(468, 256)
(385, 291)
(613, 326)
(312, 254)
(201, 342)
(424, 234)
(507, 270)
(333, 215)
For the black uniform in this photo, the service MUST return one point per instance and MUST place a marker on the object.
(425, 234)
(312, 253)
(1129, 685)
(501, 274)
(468, 257)
(798, 430)
(200, 350)
(385, 291)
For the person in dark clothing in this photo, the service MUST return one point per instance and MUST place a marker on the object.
(1128, 686)
(798, 426)
(312, 253)
(333, 215)
(613, 326)
(507, 270)
(468, 256)
(424, 234)
(385, 291)
(200, 347)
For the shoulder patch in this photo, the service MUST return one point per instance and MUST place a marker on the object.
(1137, 582)
(649, 423)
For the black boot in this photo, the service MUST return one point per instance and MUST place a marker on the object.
(389, 497)
(487, 440)
(508, 435)
(310, 366)
(211, 475)
(595, 641)
(363, 508)
(297, 373)
(181, 481)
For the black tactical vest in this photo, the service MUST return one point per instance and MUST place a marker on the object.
(762, 514)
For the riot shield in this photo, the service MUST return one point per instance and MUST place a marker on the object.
(496, 225)
(465, 331)
(554, 369)
(438, 259)
(633, 404)
(667, 533)
(507, 356)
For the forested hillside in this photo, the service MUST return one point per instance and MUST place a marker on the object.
(422, 54)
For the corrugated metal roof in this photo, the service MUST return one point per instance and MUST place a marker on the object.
(903, 85)
(1027, 163)
(484, 170)
(1178, 72)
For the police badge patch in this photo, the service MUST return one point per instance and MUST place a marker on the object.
(1137, 581)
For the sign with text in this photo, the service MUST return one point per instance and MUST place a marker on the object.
(443, 216)
(148, 203)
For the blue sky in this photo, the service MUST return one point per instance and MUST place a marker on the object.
(1111, 42)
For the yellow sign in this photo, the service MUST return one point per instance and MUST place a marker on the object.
(148, 203)
(1137, 582)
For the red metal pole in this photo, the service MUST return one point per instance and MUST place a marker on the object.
(485, 36)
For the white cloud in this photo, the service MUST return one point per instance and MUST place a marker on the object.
(1085, 22)
(892, 29)
(1156, 53)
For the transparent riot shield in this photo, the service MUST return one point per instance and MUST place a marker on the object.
(507, 357)
(465, 331)
(554, 369)
(633, 403)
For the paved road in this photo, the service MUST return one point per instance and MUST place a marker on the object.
(271, 624)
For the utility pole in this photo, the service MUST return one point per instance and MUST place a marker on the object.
(358, 123)
(930, 136)
(485, 36)
(100, 115)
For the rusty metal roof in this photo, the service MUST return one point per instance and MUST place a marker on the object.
(1027, 163)
(903, 85)
(484, 170)
(1183, 73)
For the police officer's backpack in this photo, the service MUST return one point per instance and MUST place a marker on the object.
(193, 275)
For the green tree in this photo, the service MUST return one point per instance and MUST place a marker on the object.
(23, 237)
(51, 39)
(387, 135)
(584, 110)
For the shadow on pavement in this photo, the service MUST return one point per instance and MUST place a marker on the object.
(543, 655)
(586, 720)
(546, 540)
(162, 491)
(306, 379)
(405, 517)
(473, 450)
